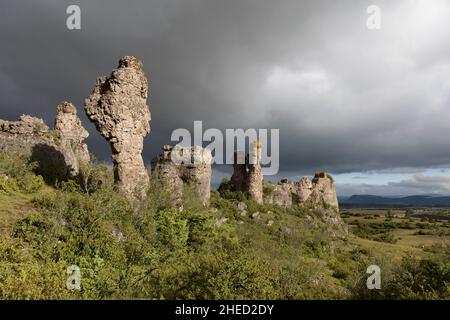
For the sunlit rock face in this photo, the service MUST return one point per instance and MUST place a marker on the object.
(59, 152)
(316, 193)
(323, 191)
(118, 108)
(71, 133)
(179, 167)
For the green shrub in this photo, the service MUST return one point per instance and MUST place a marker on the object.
(8, 186)
(172, 229)
(30, 183)
(268, 189)
(93, 176)
(200, 228)
(375, 231)
(420, 279)
(17, 169)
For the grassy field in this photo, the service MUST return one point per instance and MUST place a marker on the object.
(397, 232)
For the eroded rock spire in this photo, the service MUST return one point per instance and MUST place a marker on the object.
(118, 108)
(72, 134)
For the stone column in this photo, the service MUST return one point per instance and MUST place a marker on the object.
(71, 133)
(118, 108)
(255, 177)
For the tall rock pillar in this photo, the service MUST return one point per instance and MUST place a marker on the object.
(118, 108)
(254, 174)
(247, 176)
(71, 133)
(239, 177)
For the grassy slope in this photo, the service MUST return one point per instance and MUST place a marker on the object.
(293, 258)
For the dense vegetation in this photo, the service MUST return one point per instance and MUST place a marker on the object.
(153, 251)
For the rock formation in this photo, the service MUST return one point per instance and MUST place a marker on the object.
(323, 191)
(280, 194)
(118, 108)
(178, 166)
(254, 174)
(316, 193)
(58, 152)
(71, 133)
(247, 176)
(239, 177)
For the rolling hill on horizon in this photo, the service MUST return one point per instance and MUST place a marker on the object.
(406, 201)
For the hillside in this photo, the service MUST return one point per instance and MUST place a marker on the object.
(409, 201)
(235, 249)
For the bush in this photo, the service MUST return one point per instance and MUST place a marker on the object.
(420, 279)
(375, 231)
(93, 176)
(268, 189)
(200, 228)
(8, 186)
(172, 229)
(30, 183)
(16, 174)
(227, 191)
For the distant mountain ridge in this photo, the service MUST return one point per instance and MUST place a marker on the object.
(409, 201)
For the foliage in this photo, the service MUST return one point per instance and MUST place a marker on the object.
(375, 231)
(153, 250)
(16, 174)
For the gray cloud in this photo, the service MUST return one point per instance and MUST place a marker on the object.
(345, 99)
(418, 184)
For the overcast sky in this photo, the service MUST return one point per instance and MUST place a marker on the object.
(370, 106)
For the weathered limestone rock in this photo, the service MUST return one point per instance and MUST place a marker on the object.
(323, 192)
(118, 108)
(71, 133)
(280, 194)
(319, 195)
(58, 152)
(27, 125)
(316, 193)
(302, 190)
(247, 176)
(254, 176)
(178, 165)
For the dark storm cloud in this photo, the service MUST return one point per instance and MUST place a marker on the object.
(417, 184)
(344, 98)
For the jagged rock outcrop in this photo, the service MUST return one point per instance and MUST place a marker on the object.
(178, 166)
(118, 108)
(247, 176)
(280, 194)
(316, 193)
(58, 152)
(302, 191)
(323, 191)
(26, 126)
(71, 134)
